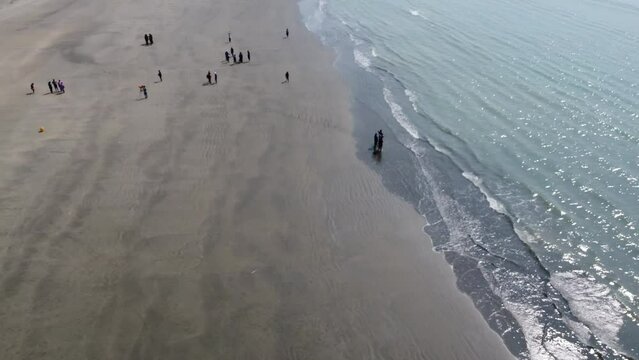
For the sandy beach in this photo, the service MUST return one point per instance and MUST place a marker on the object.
(230, 221)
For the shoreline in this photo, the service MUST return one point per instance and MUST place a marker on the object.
(426, 177)
(197, 221)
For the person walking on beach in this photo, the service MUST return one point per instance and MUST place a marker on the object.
(208, 77)
(241, 58)
(229, 38)
(50, 87)
(380, 142)
(151, 39)
(32, 88)
(248, 55)
(234, 59)
(55, 85)
(160, 75)
(146, 39)
(215, 75)
(61, 86)
(226, 56)
(232, 51)
(286, 76)
(287, 33)
(375, 143)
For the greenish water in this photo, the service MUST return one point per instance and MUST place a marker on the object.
(522, 121)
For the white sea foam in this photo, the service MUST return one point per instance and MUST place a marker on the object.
(399, 115)
(492, 202)
(373, 52)
(593, 303)
(354, 39)
(362, 60)
(417, 13)
(540, 346)
(316, 19)
(412, 97)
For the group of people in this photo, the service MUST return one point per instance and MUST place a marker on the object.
(236, 59)
(148, 39)
(378, 142)
(56, 85)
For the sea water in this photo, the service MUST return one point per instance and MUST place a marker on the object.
(520, 122)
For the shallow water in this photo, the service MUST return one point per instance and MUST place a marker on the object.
(521, 121)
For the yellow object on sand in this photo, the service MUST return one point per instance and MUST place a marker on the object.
(41, 130)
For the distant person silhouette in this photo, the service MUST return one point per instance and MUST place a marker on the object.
(215, 75)
(146, 39)
(151, 39)
(232, 51)
(287, 33)
(241, 58)
(55, 85)
(208, 77)
(375, 142)
(226, 56)
(61, 86)
(160, 75)
(286, 76)
(50, 87)
(229, 38)
(234, 59)
(248, 55)
(32, 88)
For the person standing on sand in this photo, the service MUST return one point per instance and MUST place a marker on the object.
(226, 56)
(50, 87)
(375, 143)
(215, 74)
(286, 76)
(229, 38)
(61, 86)
(232, 51)
(160, 75)
(248, 55)
(241, 58)
(151, 39)
(146, 39)
(32, 88)
(234, 59)
(287, 33)
(208, 77)
(55, 85)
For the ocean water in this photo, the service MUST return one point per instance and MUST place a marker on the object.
(514, 126)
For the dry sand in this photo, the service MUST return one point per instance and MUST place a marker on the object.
(231, 221)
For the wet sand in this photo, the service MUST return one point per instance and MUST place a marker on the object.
(230, 221)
